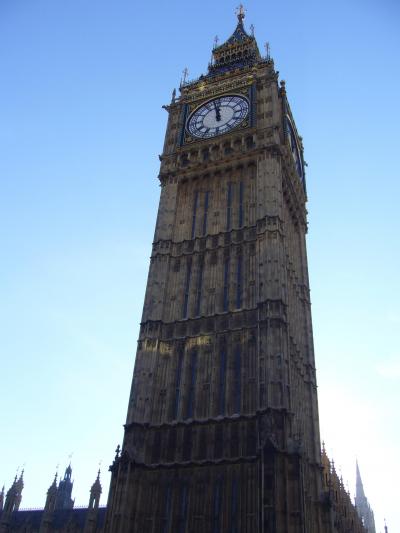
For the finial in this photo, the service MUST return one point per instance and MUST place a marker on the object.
(173, 96)
(216, 41)
(240, 13)
(185, 73)
(252, 29)
(117, 451)
(267, 50)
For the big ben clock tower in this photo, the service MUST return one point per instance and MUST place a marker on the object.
(222, 428)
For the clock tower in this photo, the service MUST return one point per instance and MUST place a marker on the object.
(222, 428)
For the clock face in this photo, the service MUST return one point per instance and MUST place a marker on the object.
(295, 149)
(218, 116)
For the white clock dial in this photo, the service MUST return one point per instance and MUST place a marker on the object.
(218, 116)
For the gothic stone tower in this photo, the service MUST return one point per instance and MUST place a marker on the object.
(222, 428)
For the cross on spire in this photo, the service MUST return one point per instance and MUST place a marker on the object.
(240, 13)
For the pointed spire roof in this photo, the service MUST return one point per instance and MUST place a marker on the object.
(240, 33)
(68, 472)
(19, 484)
(238, 51)
(359, 486)
(96, 487)
(53, 486)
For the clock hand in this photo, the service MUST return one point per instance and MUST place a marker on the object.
(217, 112)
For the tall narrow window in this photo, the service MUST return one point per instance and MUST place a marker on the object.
(226, 285)
(229, 207)
(240, 204)
(239, 281)
(167, 510)
(222, 381)
(183, 509)
(217, 506)
(192, 385)
(195, 202)
(178, 379)
(187, 287)
(237, 381)
(199, 285)
(206, 202)
(234, 506)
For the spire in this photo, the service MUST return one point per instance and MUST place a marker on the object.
(363, 507)
(20, 482)
(95, 493)
(51, 495)
(53, 486)
(359, 485)
(68, 472)
(238, 51)
(96, 487)
(14, 494)
(63, 499)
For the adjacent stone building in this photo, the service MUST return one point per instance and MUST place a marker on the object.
(58, 514)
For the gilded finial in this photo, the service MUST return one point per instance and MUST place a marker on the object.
(240, 13)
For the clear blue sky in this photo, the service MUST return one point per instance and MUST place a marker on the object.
(81, 126)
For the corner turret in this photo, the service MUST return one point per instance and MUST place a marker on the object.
(94, 502)
(51, 496)
(95, 493)
(63, 498)
(12, 503)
